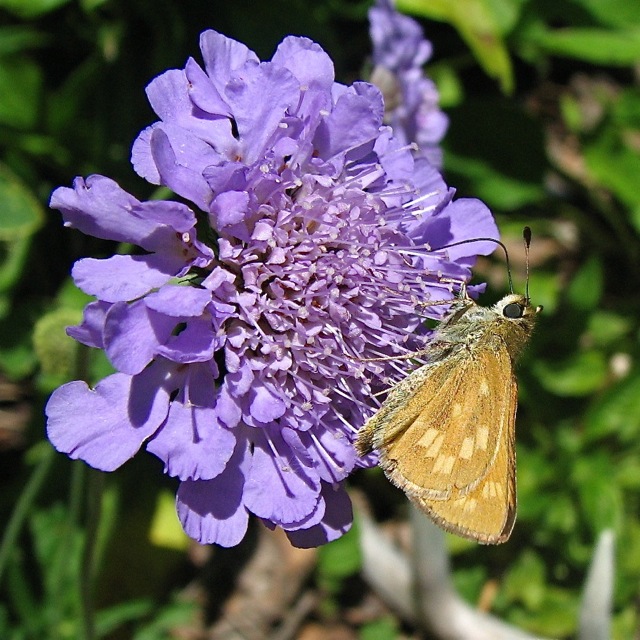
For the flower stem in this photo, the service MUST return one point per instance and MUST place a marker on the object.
(88, 569)
(23, 507)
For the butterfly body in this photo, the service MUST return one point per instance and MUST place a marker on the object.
(445, 434)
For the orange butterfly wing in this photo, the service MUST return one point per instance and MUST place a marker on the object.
(446, 437)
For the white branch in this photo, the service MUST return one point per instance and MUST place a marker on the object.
(426, 596)
(595, 612)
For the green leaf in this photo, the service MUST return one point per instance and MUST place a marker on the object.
(616, 412)
(629, 542)
(625, 623)
(382, 629)
(16, 39)
(31, 8)
(21, 214)
(168, 620)
(627, 473)
(534, 472)
(601, 498)
(22, 598)
(615, 166)
(55, 350)
(469, 581)
(58, 545)
(525, 581)
(17, 356)
(20, 88)
(607, 327)
(545, 290)
(598, 46)
(108, 620)
(166, 530)
(625, 110)
(572, 112)
(339, 560)
(560, 514)
(495, 188)
(555, 618)
(71, 297)
(578, 375)
(480, 147)
(585, 289)
(92, 5)
(616, 13)
(482, 24)
(449, 85)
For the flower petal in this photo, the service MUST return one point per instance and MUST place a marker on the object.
(202, 91)
(351, 123)
(179, 301)
(265, 406)
(123, 278)
(223, 56)
(132, 334)
(259, 98)
(195, 343)
(181, 178)
(192, 444)
(308, 62)
(99, 207)
(165, 212)
(212, 511)
(314, 518)
(463, 219)
(228, 409)
(337, 520)
(229, 208)
(104, 426)
(89, 331)
(278, 488)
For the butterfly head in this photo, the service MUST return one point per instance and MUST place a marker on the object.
(515, 306)
(517, 317)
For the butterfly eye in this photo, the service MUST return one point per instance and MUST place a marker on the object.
(513, 310)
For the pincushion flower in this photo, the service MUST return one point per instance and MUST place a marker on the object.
(239, 329)
(400, 51)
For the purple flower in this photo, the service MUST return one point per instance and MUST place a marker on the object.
(399, 53)
(239, 328)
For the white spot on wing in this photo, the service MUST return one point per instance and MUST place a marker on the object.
(470, 504)
(491, 490)
(444, 464)
(434, 449)
(466, 449)
(428, 437)
(482, 436)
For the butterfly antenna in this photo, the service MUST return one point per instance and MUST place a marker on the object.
(506, 254)
(526, 234)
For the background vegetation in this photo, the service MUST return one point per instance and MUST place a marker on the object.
(544, 105)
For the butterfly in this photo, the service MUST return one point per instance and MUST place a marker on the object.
(445, 434)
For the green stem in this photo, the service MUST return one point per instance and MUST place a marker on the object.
(61, 567)
(23, 506)
(89, 564)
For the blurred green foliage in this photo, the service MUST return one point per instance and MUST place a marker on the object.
(545, 127)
